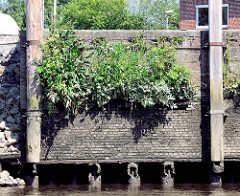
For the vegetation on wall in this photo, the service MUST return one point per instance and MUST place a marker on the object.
(231, 81)
(140, 74)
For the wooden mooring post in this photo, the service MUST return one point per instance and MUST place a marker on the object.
(33, 38)
(216, 89)
(55, 13)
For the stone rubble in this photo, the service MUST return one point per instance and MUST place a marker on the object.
(7, 180)
(8, 142)
(10, 117)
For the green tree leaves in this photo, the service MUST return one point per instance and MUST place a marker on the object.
(17, 9)
(101, 14)
(154, 13)
(95, 14)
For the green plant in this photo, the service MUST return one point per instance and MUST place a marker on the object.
(63, 74)
(140, 74)
(231, 82)
(226, 67)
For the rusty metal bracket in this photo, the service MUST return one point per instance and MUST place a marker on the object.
(215, 43)
(30, 43)
(33, 43)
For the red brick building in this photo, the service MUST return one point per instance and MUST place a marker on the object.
(194, 14)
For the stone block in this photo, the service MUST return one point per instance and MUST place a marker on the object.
(2, 135)
(14, 92)
(12, 149)
(10, 119)
(14, 110)
(12, 138)
(2, 126)
(3, 143)
(5, 174)
(10, 101)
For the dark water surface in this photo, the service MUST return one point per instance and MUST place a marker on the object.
(119, 189)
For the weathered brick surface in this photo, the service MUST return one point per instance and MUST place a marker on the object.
(188, 13)
(231, 131)
(118, 135)
(145, 135)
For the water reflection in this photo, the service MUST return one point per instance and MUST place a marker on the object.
(14, 191)
(119, 189)
(133, 189)
(94, 189)
(218, 192)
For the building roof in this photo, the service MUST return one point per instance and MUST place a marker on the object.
(8, 25)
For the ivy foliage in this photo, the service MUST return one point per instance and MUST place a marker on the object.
(141, 74)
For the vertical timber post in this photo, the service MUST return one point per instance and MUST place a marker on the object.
(167, 177)
(55, 13)
(43, 15)
(0, 166)
(33, 37)
(216, 89)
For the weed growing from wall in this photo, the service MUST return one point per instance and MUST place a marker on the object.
(141, 74)
(231, 82)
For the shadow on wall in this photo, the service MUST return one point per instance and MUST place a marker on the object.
(142, 122)
(205, 101)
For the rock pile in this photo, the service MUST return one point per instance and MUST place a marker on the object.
(9, 142)
(7, 180)
(10, 117)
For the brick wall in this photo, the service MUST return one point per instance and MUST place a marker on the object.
(231, 131)
(234, 13)
(118, 135)
(188, 13)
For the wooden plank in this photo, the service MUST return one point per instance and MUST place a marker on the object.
(48, 162)
(55, 13)
(215, 20)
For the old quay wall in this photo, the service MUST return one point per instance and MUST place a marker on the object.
(146, 135)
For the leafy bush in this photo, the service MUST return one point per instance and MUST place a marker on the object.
(140, 74)
(63, 74)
